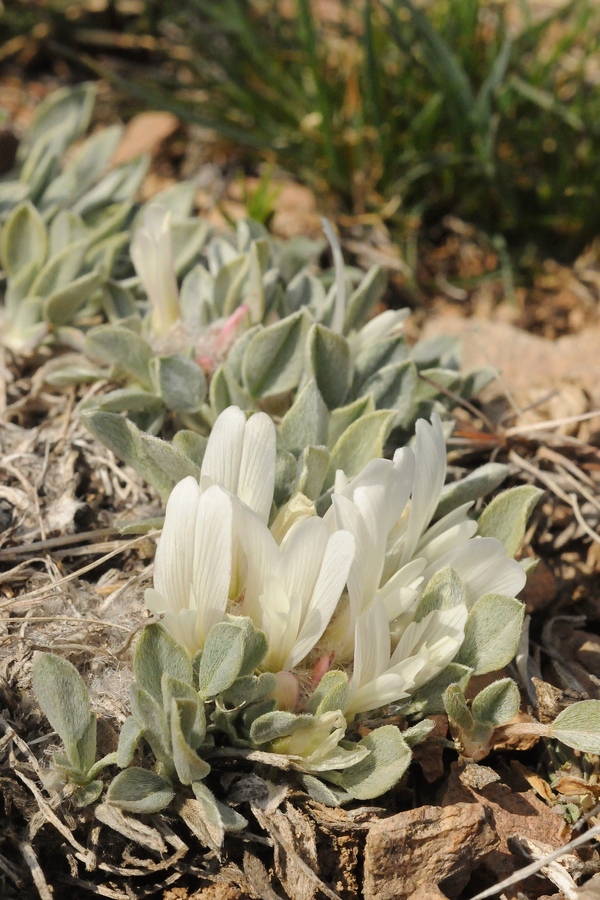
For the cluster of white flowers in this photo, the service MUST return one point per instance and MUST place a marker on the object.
(342, 589)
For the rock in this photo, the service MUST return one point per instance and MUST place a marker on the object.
(144, 134)
(428, 892)
(428, 845)
(541, 588)
(590, 890)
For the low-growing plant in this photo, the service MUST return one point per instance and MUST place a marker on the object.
(276, 642)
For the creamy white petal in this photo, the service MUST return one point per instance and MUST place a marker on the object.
(181, 626)
(484, 568)
(223, 454)
(262, 555)
(332, 577)
(212, 558)
(430, 474)
(155, 602)
(387, 688)
(371, 645)
(301, 559)
(454, 537)
(256, 481)
(446, 626)
(174, 561)
(455, 517)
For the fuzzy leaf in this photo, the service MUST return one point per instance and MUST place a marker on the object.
(368, 293)
(457, 709)
(473, 486)
(88, 793)
(305, 423)
(63, 304)
(180, 381)
(341, 419)
(389, 758)
(63, 697)
(492, 633)
(189, 766)
(578, 726)
(394, 387)
(222, 659)
(274, 358)
(507, 515)
(140, 791)
(323, 793)
(117, 345)
(498, 703)
(150, 716)
(312, 469)
(360, 443)
(219, 817)
(328, 362)
(24, 239)
(416, 734)
(191, 444)
(276, 724)
(156, 653)
(444, 590)
(330, 694)
(129, 738)
(428, 699)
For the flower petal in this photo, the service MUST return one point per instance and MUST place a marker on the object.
(174, 561)
(212, 558)
(430, 474)
(223, 454)
(256, 481)
(484, 568)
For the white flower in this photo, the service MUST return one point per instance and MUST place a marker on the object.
(292, 590)
(152, 255)
(379, 676)
(240, 456)
(192, 569)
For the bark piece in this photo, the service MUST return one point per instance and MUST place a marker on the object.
(428, 845)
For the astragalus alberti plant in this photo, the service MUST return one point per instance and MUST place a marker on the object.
(281, 631)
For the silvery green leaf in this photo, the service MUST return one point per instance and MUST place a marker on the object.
(475, 381)
(255, 711)
(86, 745)
(120, 185)
(107, 221)
(361, 442)
(129, 399)
(255, 645)
(189, 236)
(306, 421)
(217, 818)
(341, 419)
(497, 703)
(156, 461)
(67, 376)
(17, 291)
(439, 352)
(225, 391)
(24, 239)
(191, 444)
(274, 358)
(492, 633)
(179, 198)
(507, 515)
(364, 298)
(248, 689)
(12, 193)
(312, 468)
(428, 699)
(330, 693)
(376, 356)
(473, 486)
(296, 253)
(222, 659)
(457, 709)
(117, 345)
(328, 362)
(118, 302)
(389, 758)
(85, 168)
(286, 468)
(63, 304)
(88, 793)
(60, 270)
(196, 298)
(276, 724)
(67, 110)
(323, 793)
(180, 382)
(63, 697)
(103, 255)
(41, 165)
(129, 738)
(228, 285)
(66, 228)
(191, 712)
(394, 387)
(140, 791)
(150, 716)
(416, 734)
(235, 356)
(305, 289)
(444, 590)
(578, 726)
(188, 765)
(156, 653)
(247, 231)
